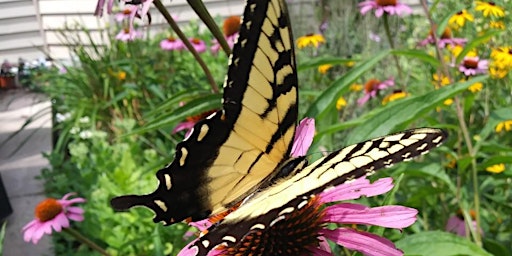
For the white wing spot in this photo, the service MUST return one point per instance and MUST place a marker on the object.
(302, 204)
(205, 243)
(184, 154)
(258, 226)
(168, 183)
(161, 204)
(203, 132)
(276, 220)
(438, 139)
(229, 239)
(286, 210)
(422, 147)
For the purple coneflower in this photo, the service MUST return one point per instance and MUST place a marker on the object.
(128, 34)
(471, 66)
(128, 13)
(444, 40)
(52, 214)
(391, 7)
(372, 87)
(101, 4)
(171, 44)
(313, 220)
(198, 44)
(455, 224)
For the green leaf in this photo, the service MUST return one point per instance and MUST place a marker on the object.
(495, 247)
(418, 54)
(192, 108)
(331, 94)
(313, 63)
(397, 115)
(433, 170)
(476, 42)
(440, 244)
(2, 235)
(496, 117)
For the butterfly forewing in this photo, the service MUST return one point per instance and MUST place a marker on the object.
(234, 151)
(268, 206)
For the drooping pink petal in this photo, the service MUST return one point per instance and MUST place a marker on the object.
(186, 251)
(456, 225)
(183, 126)
(303, 137)
(61, 220)
(384, 216)
(202, 224)
(365, 242)
(357, 188)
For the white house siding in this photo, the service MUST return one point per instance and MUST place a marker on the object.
(29, 27)
(20, 33)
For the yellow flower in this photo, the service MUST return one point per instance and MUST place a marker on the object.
(497, 72)
(340, 103)
(398, 94)
(356, 87)
(476, 87)
(497, 168)
(502, 57)
(489, 8)
(457, 49)
(324, 68)
(310, 40)
(507, 125)
(459, 19)
(440, 81)
(448, 102)
(497, 24)
(350, 64)
(121, 75)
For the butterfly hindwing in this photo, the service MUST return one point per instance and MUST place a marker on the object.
(234, 151)
(267, 207)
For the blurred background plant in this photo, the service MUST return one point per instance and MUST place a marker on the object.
(361, 76)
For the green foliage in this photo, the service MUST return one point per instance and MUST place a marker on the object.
(2, 236)
(124, 98)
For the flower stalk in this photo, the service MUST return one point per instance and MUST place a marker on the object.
(392, 46)
(201, 11)
(465, 133)
(86, 241)
(161, 8)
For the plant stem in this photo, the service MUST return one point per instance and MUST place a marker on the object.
(392, 46)
(465, 133)
(161, 8)
(86, 241)
(204, 15)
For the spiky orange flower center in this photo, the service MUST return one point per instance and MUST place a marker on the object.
(171, 39)
(293, 235)
(386, 2)
(127, 30)
(371, 85)
(48, 209)
(195, 40)
(470, 63)
(127, 11)
(231, 25)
